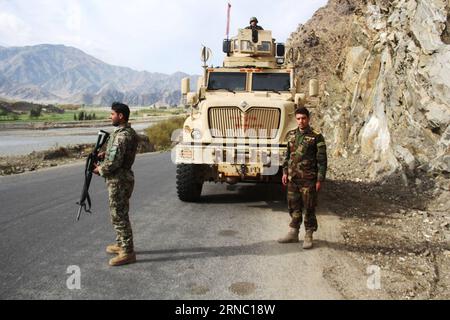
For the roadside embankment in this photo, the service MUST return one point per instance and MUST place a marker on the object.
(55, 157)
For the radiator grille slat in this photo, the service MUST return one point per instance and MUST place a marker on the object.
(232, 122)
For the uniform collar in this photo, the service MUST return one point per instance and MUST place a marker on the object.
(306, 131)
(126, 126)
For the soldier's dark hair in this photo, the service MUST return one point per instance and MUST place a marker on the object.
(121, 108)
(302, 110)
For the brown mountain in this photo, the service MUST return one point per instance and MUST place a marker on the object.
(56, 73)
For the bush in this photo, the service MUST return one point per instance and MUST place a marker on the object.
(56, 153)
(160, 135)
(81, 116)
(36, 112)
(84, 116)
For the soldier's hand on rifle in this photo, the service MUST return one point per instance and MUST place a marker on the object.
(318, 186)
(101, 156)
(285, 180)
(96, 170)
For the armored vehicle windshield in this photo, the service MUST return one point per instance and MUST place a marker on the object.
(271, 82)
(231, 81)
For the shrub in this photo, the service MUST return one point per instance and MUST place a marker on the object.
(160, 134)
(35, 112)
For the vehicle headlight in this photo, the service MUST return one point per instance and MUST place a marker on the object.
(196, 134)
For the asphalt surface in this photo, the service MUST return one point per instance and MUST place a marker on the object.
(221, 248)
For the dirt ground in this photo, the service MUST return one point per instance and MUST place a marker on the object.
(43, 159)
(403, 230)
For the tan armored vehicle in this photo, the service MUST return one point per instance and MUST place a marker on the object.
(240, 115)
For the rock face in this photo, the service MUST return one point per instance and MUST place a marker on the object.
(385, 71)
(60, 74)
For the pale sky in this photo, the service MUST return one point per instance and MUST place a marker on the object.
(157, 36)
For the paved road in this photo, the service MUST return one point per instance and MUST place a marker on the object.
(221, 248)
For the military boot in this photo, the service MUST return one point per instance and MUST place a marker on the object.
(113, 249)
(291, 237)
(123, 258)
(308, 242)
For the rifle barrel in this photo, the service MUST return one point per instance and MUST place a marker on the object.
(79, 213)
(90, 164)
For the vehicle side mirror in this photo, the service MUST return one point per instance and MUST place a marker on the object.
(185, 86)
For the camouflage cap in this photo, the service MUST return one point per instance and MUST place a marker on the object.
(253, 19)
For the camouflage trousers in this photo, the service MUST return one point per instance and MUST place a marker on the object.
(120, 190)
(302, 195)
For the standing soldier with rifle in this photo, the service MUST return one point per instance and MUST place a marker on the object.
(116, 169)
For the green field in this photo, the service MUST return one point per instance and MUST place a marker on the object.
(73, 115)
(51, 117)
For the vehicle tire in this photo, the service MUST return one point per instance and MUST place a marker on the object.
(189, 182)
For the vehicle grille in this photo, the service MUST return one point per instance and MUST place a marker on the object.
(232, 122)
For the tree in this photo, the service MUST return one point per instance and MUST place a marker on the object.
(35, 112)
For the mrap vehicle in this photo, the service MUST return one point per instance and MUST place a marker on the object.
(241, 114)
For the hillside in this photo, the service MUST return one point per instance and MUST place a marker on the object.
(384, 68)
(60, 74)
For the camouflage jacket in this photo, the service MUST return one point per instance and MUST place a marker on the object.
(120, 152)
(306, 157)
(256, 28)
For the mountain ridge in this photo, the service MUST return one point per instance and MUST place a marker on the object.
(63, 74)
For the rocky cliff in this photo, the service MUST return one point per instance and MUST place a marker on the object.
(384, 67)
(385, 73)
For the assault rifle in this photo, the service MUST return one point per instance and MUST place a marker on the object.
(91, 161)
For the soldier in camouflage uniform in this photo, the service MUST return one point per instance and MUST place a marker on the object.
(304, 170)
(116, 169)
(254, 24)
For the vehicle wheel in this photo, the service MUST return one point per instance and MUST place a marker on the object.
(189, 182)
